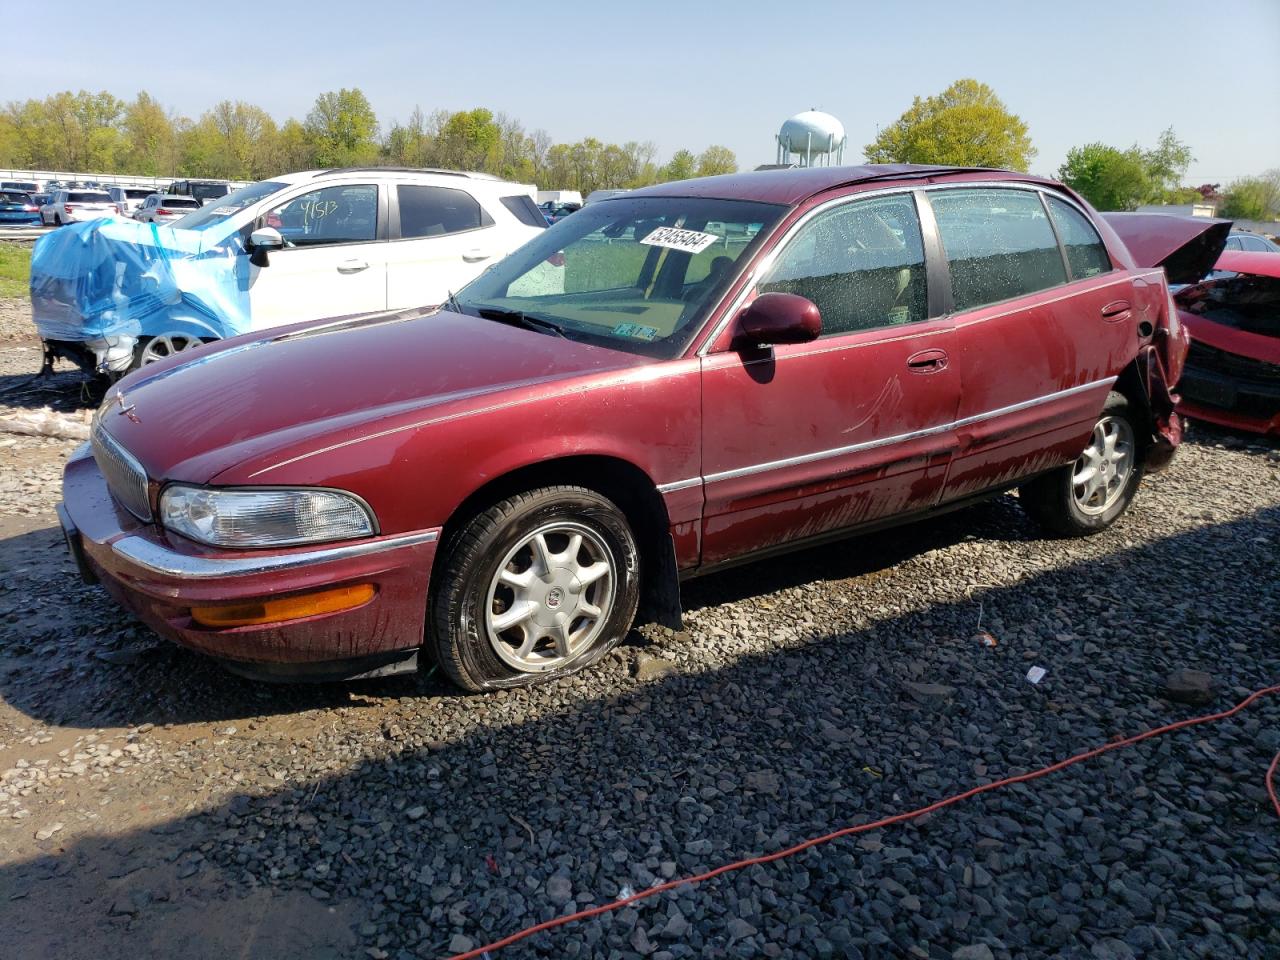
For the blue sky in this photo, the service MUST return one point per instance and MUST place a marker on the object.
(694, 73)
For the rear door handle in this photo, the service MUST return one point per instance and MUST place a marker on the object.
(1115, 311)
(475, 256)
(352, 266)
(927, 361)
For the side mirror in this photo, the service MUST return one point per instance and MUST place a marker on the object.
(778, 318)
(262, 240)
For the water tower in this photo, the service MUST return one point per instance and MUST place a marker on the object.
(811, 139)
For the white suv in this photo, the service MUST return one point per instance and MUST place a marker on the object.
(327, 243)
(73, 206)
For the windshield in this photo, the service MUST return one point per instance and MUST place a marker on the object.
(229, 205)
(635, 274)
(137, 194)
(77, 197)
(13, 197)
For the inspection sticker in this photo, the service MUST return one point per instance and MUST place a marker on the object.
(224, 211)
(690, 241)
(637, 331)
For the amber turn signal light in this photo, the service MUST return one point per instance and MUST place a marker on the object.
(286, 608)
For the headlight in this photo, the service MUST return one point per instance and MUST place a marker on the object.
(263, 518)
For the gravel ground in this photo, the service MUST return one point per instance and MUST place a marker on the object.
(151, 804)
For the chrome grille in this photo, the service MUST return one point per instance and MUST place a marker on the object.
(125, 477)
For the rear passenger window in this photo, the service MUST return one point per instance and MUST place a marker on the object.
(525, 210)
(862, 264)
(437, 211)
(1086, 254)
(999, 245)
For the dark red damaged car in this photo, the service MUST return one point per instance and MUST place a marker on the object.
(667, 382)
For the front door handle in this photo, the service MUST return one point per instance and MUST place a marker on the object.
(927, 361)
(1115, 311)
(352, 266)
(475, 256)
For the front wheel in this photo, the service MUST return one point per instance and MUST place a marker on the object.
(1087, 496)
(538, 586)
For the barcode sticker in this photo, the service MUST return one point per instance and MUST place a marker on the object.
(690, 241)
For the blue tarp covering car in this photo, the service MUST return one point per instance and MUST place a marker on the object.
(98, 286)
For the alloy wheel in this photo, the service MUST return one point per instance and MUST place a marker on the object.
(1102, 471)
(551, 597)
(166, 345)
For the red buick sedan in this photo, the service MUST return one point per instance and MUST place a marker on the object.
(667, 382)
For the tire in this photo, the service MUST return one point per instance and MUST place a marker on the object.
(475, 597)
(57, 220)
(1067, 507)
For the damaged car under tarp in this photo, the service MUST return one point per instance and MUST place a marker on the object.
(99, 287)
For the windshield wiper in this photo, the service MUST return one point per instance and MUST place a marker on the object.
(518, 319)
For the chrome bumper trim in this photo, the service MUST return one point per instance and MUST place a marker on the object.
(151, 556)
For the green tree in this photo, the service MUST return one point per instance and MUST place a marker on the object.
(1166, 166)
(152, 137)
(966, 125)
(467, 140)
(715, 160)
(681, 166)
(1253, 198)
(1108, 178)
(343, 129)
(294, 150)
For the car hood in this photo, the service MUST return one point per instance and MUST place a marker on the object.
(190, 418)
(1186, 247)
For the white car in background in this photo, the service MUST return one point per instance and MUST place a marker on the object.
(129, 199)
(160, 208)
(327, 243)
(74, 206)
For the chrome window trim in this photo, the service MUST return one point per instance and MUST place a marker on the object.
(158, 559)
(903, 437)
(763, 266)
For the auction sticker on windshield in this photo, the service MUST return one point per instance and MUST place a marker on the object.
(691, 241)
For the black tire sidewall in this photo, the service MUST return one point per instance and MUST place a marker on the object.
(474, 562)
(1076, 520)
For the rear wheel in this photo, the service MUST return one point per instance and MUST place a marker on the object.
(57, 219)
(539, 585)
(152, 349)
(1087, 496)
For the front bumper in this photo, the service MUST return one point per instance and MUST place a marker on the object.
(159, 577)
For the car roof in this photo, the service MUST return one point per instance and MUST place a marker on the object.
(479, 179)
(791, 186)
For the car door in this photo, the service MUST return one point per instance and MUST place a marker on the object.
(333, 262)
(442, 239)
(1043, 327)
(801, 440)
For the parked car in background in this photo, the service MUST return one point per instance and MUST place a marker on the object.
(555, 212)
(129, 199)
(1250, 242)
(203, 190)
(18, 209)
(40, 199)
(504, 482)
(165, 208)
(23, 186)
(77, 206)
(305, 246)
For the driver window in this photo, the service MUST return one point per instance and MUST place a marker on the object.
(862, 264)
(341, 214)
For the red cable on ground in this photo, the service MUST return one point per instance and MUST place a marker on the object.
(885, 822)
